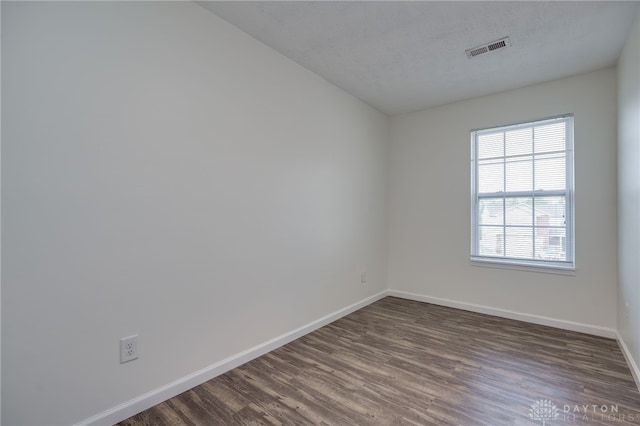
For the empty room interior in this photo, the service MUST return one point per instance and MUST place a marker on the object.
(320, 212)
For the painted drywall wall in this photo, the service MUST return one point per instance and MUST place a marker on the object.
(165, 174)
(629, 193)
(429, 214)
(0, 224)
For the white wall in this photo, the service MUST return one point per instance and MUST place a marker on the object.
(629, 193)
(0, 228)
(166, 174)
(430, 203)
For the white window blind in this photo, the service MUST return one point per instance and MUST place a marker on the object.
(522, 193)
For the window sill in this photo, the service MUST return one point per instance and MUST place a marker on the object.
(523, 266)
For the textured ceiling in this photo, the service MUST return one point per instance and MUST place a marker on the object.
(403, 56)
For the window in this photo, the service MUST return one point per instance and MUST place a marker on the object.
(522, 194)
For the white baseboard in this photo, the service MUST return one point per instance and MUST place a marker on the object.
(635, 371)
(535, 319)
(156, 396)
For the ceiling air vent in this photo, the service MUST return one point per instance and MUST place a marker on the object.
(488, 47)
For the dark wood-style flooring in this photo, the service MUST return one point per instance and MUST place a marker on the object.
(398, 362)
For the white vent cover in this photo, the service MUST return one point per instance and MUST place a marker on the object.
(488, 47)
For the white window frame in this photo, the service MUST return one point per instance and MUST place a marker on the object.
(535, 265)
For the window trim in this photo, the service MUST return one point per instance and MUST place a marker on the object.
(522, 265)
(559, 267)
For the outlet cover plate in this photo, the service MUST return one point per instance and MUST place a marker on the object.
(128, 348)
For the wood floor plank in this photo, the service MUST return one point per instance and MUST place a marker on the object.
(400, 362)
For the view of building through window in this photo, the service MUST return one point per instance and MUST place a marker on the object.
(523, 192)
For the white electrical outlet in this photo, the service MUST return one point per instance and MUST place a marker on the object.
(128, 348)
(363, 276)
